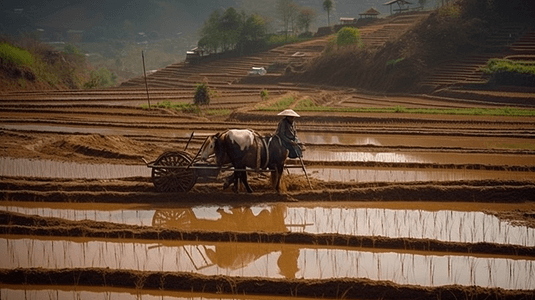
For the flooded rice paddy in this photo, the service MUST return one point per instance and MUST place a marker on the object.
(312, 154)
(309, 138)
(432, 222)
(353, 174)
(29, 292)
(54, 169)
(270, 261)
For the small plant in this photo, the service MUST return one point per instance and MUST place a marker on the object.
(394, 62)
(400, 109)
(202, 94)
(264, 94)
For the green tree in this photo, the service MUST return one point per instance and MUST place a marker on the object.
(230, 25)
(222, 31)
(210, 32)
(252, 35)
(287, 12)
(328, 6)
(348, 36)
(305, 18)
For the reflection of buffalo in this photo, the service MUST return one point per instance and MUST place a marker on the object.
(237, 255)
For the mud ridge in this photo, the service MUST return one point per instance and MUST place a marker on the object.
(347, 288)
(19, 224)
(205, 194)
(390, 165)
(327, 118)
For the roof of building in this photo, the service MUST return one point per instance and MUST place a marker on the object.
(371, 11)
(397, 1)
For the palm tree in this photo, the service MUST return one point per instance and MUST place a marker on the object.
(327, 6)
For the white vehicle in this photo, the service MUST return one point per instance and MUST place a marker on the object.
(257, 71)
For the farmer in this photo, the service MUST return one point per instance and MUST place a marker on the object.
(287, 133)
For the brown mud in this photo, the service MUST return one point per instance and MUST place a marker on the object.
(141, 191)
(320, 288)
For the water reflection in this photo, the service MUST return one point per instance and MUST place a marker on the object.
(242, 219)
(337, 139)
(440, 224)
(31, 292)
(420, 157)
(307, 262)
(96, 129)
(416, 140)
(54, 169)
(346, 174)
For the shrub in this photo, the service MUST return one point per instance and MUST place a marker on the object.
(264, 94)
(202, 94)
(101, 78)
(15, 55)
(71, 49)
(452, 10)
(348, 36)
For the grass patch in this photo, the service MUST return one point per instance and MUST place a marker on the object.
(281, 104)
(189, 108)
(394, 62)
(496, 65)
(308, 105)
(217, 112)
(16, 55)
(510, 72)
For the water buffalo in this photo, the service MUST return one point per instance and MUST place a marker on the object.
(245, 148)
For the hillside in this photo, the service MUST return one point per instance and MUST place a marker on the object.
(454, 40)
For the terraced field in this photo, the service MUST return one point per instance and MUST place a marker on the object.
(512, 41)
(404, 206)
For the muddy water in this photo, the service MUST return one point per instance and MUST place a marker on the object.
(271, 260)
(420, 157)
(53, 169)
(414, 140)
(432, 222)
(29, 292)
(346, 174)
(99, 130)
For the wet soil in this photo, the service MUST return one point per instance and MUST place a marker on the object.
(330, 288)
(108, 127)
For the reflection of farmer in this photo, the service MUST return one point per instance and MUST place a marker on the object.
(288, 134)
(288, 261)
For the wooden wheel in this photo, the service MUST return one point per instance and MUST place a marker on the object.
(173, 179)
(173, 218)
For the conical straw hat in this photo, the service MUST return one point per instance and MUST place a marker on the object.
(288, 113)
